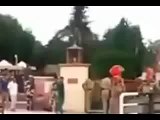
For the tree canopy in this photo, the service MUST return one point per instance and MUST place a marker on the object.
(121, 45)
(77, 31)
(14, 40)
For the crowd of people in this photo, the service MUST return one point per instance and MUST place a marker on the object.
(12, 83)
(10, 86)
(9, 89)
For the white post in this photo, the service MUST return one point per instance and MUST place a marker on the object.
(16, 59)
(121, 101)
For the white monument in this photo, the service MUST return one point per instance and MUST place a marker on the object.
(75, 73)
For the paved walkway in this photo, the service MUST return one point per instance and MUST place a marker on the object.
(22, 111)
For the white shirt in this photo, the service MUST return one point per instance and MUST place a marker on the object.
(13, 88)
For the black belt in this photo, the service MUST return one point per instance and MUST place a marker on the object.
(104, 89)
(89, 89)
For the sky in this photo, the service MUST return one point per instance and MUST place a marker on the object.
(45, 21)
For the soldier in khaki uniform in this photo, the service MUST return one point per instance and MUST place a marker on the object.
(54, 94)
(117, 87)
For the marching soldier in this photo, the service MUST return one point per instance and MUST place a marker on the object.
(54, 94)
(60, 95)
(29, 89)
(117, 87)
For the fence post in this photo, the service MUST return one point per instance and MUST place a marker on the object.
(151, 104)
(121, 101)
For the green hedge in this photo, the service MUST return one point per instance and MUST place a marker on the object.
(104, 60)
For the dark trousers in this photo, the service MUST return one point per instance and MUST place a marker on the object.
(29, 102)
(6, 98)
(59, 107)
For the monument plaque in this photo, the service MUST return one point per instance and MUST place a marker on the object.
(72, 80)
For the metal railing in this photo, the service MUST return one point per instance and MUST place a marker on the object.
(122, 105)
(150, 105)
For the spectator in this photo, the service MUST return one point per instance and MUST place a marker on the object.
(60, 90)
(13, 90)
(4, 88)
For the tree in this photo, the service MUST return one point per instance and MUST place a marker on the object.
(77, 31)
(154, 46)
(56, 51)
(126, 42)
(152, 51)
(81, 32)
(38, 58)
(104, 60)
(14, 40)
(150, 59)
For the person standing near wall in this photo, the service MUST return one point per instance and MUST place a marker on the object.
(60, 95)
(117, 87)
(13, 90)
(2, 101)
(4, 84)
(54, 93)
(20, 81)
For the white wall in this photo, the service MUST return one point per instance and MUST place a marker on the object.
(74, 93)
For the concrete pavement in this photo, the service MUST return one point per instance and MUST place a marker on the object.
(23, 111)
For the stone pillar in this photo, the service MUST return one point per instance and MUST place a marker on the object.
(88, 86)
(105, 85)
(67, 57)
(79, 57)
(74, 76)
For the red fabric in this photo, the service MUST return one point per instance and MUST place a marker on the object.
(116, 70)
(149, 74)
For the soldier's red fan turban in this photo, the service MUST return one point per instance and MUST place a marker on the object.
(116, 70)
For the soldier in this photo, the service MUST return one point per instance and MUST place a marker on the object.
(60, 95)
(117, 87)
(54, 94)
(29, 89)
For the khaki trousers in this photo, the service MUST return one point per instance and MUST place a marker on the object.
(13, 102)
